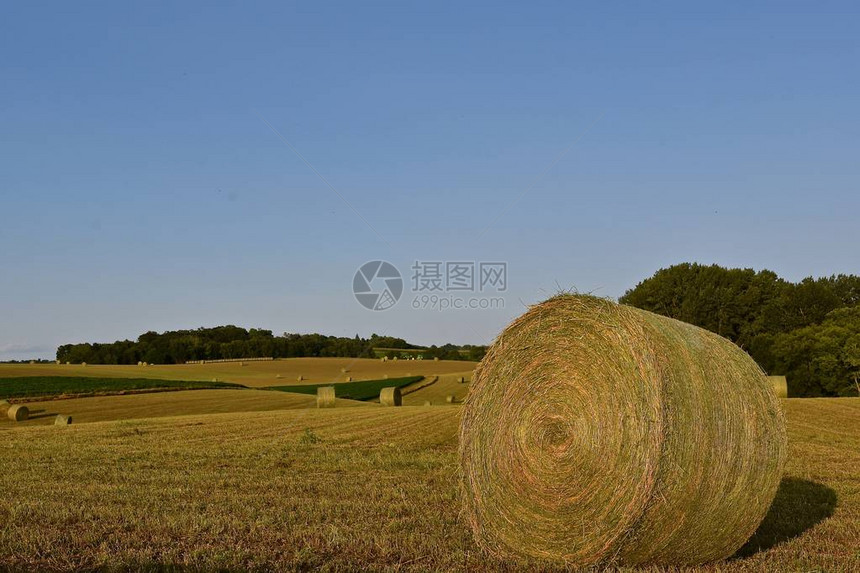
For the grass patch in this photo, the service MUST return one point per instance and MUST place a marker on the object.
(47, 386)
(361, 390)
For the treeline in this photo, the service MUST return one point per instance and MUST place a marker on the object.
(177, 347)
(809, 331)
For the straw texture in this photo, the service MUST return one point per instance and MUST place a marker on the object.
(599, 434)
(390, 397)
(325, 397)
(779, 385)
(18, 413)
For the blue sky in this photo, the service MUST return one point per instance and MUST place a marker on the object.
(142, 189)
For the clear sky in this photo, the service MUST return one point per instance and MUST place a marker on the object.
(142, 188)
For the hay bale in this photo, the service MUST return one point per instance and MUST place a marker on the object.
(325, 397)
(461, 380)
(300, 378)
(83, 363)
(596, 433)
(428, 403)
(779, 385)
(385, 376)
(18, 413)
(62, 420)
(344, 370)
(390, 397)
(451, 399)
(278, 376)
(349, 378)
(435, 359)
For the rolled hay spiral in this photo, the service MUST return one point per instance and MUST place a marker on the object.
(390, 397)
(779, 385)
(62, 420)
(600, 434)
(325, 397)
(18, 413)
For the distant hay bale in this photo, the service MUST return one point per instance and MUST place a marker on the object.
(349, 378)
(779, 385)
(384, 358)
(390, 397)
(62, 420)
(278, 376)
(59, 362)
(462, 380)
(385, 376)
(140, 363)
(67, 363)
(597, 434)
(18, 413)
(300, 378)
(325, 397)
(344, 370)
(83, 363)
(214, 379)
(451, 399)
(435, 359)
(428, 403)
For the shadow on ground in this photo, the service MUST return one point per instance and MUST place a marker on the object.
(799, 504)
(36, 414)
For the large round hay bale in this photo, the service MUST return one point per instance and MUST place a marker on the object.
(325, 397)
(349, 378)
(18, 413)
(62, 420)
(428, 403)
(461, 380)
(451, 399)
(779, 385)
(599, 434)
(300, 378)
(390, 397)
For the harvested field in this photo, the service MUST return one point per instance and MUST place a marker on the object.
(254, 374)
(191, 402)
(235, 491)
(436, 393)
(364, 390)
